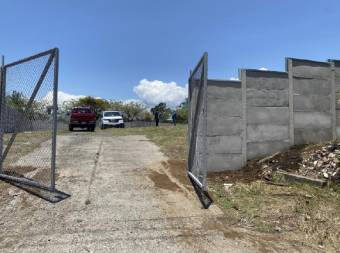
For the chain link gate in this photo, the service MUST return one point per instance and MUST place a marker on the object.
(197, 131)
(28, 125)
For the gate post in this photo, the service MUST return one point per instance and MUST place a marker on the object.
(54, 120)
(2, 95)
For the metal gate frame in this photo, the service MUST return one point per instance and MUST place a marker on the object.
(197, 159)
(23, 182)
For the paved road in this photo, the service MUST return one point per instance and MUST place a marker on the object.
(115, 205)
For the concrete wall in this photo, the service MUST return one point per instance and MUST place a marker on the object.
(311, 92)
(266, 112)
(224, 128)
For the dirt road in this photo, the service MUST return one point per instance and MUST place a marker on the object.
(116, 205)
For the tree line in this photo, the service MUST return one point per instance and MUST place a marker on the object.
(131, 110)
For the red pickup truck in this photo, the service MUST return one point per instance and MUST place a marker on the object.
(83, 117)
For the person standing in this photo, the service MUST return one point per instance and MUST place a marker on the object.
(174, 117)
(157, 118)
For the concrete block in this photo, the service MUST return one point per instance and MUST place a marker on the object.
(268, 115)
(303, 86)
(267, 97)
(337, 72)
(337, 85)
(338, 132)
(218, 107)
(337, 117)
(337, 105)
(224, 144)
(309, 103)
(223, 125)
(225, 93)
(312, 120)
(316, 135)
(265, 73)
(298, 178)
(224, 83)
(311, 69)
(267, 132)
(223, 162)
(261, 149)
(267, 83)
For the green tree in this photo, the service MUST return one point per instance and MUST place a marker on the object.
(133, 111)
(164, 111)
(19, 102)
(182, 111)
(116, 105)
(97, 104)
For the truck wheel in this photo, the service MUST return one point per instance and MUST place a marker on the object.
(70, 128)
(92, 129)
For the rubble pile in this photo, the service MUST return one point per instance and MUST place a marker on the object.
(317, 161)
(323, 162)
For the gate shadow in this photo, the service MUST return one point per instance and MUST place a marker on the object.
(52, 196)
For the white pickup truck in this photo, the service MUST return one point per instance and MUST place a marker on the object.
(111, 119)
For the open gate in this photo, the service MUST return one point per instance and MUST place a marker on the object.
(197, 131)
(28, 125)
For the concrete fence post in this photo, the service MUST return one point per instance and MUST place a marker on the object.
(333, 100)
(291, 100)
(244, 115)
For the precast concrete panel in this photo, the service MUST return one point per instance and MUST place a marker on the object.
(312, 101)
(267, 112)
(224, 117)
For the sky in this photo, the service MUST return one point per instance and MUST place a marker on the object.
(144, 49)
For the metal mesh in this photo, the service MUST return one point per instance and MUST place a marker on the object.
(197, 160)
(27, 123)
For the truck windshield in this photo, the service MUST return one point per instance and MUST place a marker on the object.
(81, 110)
(111, 114)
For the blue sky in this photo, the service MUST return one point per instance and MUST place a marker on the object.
(108, 47)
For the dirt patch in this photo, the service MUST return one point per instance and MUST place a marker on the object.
(178, 170)
(161, 180)
(264, 242)
(221, 225)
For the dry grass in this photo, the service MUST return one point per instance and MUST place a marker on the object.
(299, 211)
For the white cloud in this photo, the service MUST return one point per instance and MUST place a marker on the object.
(154, 92)
(234, 79)
(263, 68)
(62, 97)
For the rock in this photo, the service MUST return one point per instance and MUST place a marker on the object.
(336, 174)
(227, 187)
(332, 147)
(278, 229)
(325, 175)
(331, 155)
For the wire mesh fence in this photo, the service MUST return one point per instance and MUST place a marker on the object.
(197, 130)
(138, 123)
(29, 120)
